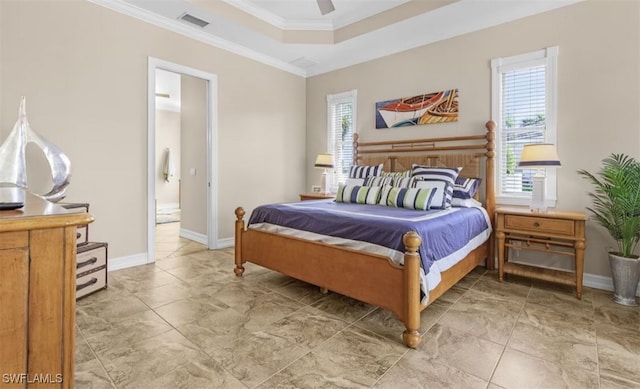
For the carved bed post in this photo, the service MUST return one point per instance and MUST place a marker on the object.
(355, 148)
(239, 269)
(411, 337)
(490, 201)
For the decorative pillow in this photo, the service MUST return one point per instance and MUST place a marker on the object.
(406, 173)
(449, 175)
(399, 182)
(358, 171)
(436, 173)
(466, 188)
(439, 200)
(410, 198)
(402, 182)
(354, 181)
(358, 194)
(465, 203)
(378, 181)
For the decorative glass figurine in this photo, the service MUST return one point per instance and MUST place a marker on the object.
(13, 165)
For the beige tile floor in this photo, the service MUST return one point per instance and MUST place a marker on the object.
(188, 322)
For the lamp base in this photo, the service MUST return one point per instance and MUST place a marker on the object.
(324, 184)
(537, 196)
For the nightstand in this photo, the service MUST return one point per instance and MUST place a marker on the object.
(316, 196)
(553, 232)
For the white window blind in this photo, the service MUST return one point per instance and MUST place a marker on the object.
(340, 129)
(524, 110)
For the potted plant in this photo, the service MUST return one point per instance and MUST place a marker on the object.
(616, 207)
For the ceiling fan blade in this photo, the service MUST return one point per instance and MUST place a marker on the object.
(325, 6)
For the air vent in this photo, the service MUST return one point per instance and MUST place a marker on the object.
(193, 20)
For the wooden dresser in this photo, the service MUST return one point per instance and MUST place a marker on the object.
(37, 294)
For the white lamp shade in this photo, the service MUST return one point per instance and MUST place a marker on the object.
(539, 156)
(324, 161)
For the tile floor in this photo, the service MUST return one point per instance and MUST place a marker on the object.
(188, 322)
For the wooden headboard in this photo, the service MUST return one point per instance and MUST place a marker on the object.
(470, 152)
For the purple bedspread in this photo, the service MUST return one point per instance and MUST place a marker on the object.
(443, 232)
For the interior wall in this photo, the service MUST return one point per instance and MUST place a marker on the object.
(193, 123)
(167, 138)
(598, 93)
(83, 69)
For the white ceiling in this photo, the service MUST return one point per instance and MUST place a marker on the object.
(251, 27)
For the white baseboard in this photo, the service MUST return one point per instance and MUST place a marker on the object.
(128, 261)
(601, 282)
(225, 242)
(194, 236)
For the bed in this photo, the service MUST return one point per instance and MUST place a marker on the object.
(374, 277)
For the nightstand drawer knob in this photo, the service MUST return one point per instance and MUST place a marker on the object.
(536, 224)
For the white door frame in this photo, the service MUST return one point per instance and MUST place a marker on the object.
(212, 151)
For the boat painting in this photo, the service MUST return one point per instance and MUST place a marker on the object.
(428, 108)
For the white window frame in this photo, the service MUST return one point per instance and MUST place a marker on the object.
(549, 58)
(332, 100)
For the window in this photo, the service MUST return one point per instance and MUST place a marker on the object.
(524, 108)
(341, 122)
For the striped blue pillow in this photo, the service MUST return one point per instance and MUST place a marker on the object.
(358, 171)
(410, 198)
(449, 175)
(466, 188)
(406, 173)
(378, 181)
(358, 194)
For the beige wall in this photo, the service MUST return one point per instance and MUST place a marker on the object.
(167, 137)
(598, 82)
(193, 122)
(83, 69)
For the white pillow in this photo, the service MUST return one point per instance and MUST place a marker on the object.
(439, 200)
(465, 203)
(354, 181)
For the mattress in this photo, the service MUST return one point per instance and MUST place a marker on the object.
(447, 235)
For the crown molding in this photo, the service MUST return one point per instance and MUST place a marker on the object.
(177, 27)
(277, 21)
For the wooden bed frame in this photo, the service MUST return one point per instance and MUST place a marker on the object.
(371, 278)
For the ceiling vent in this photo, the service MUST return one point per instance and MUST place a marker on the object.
(193, 20)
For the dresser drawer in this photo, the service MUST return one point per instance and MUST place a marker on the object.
(91, 282)
(539, 224)
(14, 239)
(91, 256)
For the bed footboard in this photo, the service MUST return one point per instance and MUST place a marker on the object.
(370, 278)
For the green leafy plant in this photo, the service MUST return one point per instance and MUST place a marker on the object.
(616, 200)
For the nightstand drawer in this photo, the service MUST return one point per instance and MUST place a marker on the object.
(91, 256)
(539, 224)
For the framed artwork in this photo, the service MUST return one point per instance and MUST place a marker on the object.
(428, 108)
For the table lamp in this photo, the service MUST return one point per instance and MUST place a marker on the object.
(539, 156)
(324, 161)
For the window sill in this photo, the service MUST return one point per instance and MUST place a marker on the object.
(522, 201)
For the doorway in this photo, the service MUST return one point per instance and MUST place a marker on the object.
(195, 180)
